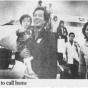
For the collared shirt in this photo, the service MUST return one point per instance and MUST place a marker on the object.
(71, 52)
(36, 32)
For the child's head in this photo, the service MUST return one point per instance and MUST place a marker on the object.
(25, 20)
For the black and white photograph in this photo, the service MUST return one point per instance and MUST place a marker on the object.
(43, 39)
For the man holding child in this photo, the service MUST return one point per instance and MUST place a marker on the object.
(44, 49)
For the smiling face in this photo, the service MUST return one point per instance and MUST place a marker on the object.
(86, 31)
(71, 37)
(38, 18)
(26, 22)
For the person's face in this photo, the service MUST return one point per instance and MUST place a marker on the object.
(71, 37)
(26, 22)
(38, 18)
(86, 31)
(62, 24)
(55, 19)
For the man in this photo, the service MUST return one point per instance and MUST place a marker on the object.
(72, 55)
(44, 52)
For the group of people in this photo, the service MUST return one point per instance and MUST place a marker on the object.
(74, 56)
(37, 48)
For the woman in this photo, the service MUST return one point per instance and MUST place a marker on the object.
(62, 31)
(61, 34)
(83, 63)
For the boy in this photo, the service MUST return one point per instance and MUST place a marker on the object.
(23, 32)
(72, 54)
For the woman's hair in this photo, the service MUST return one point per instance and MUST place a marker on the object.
(25, 16)
(60, 23)
(46, 14)
(83, 29)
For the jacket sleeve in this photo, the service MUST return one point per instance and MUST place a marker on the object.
(66, 32)
(82, 64)
(53, 42)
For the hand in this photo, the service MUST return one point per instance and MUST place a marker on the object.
(25, 53)
(64, 57)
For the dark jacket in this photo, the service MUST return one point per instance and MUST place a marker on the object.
(59, 33)
(44, 52)
(45, 55)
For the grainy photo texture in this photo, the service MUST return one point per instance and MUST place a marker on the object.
(43, 39)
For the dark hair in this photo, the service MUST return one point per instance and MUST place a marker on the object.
(55, 17)
(46, 14)
(83, 30)
(25, 16)
(71, 33)
(61, 22)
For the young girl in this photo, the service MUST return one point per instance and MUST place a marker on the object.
(23, 32)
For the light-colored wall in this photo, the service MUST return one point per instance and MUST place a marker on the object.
(11, 9)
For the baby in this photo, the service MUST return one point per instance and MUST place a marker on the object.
(25, 32)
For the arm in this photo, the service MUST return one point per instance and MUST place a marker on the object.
(59, 32)
(77, 47)
(82, 64)
(24, 38)
(65, 52)
(66, 32)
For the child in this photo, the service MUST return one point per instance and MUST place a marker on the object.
(23, 32)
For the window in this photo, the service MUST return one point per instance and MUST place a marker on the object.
(74, 24)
